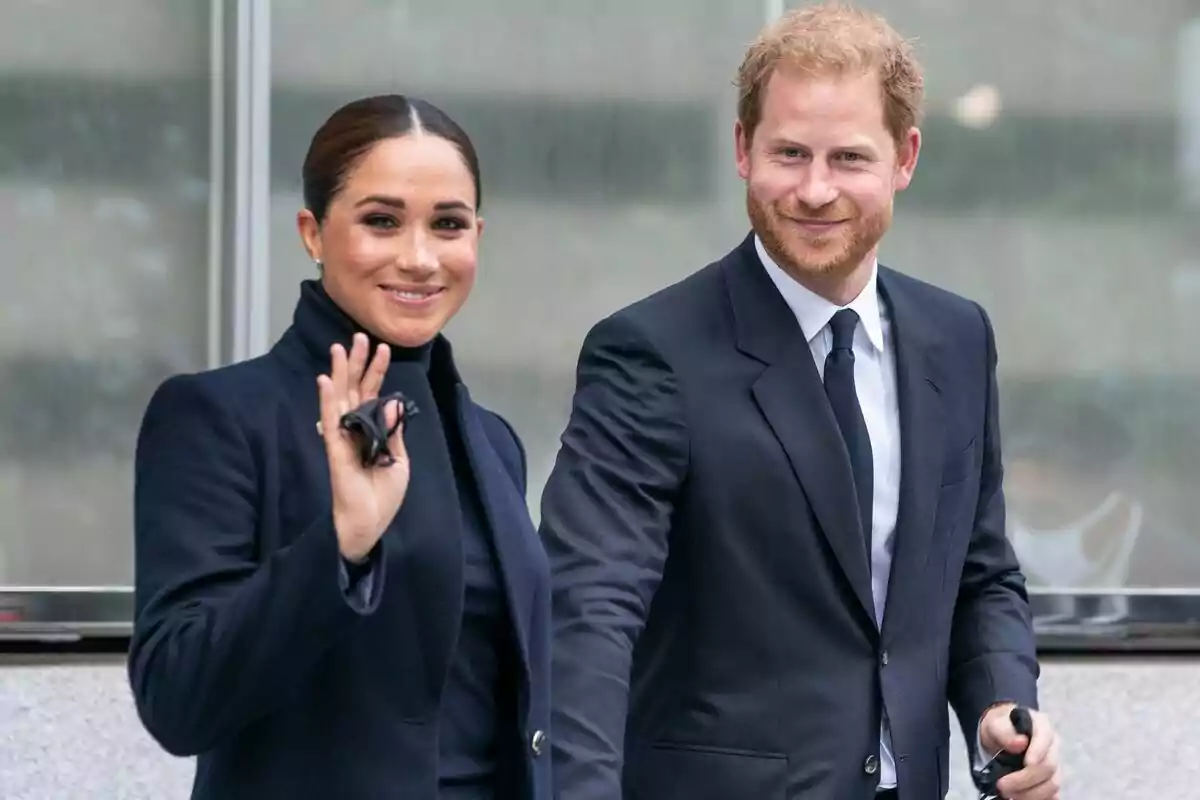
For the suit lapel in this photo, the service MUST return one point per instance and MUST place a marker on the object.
(792, 399)
(921, 445)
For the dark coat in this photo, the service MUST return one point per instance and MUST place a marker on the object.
(248, 650)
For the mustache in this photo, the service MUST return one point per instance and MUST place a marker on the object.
(833, 212)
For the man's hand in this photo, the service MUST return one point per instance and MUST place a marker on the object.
(1041, 778)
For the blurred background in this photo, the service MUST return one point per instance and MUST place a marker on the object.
(150, 173)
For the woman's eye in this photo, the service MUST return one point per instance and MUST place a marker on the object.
(450, 223)
(381, 221)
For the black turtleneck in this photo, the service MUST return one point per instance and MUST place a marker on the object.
(478, 707)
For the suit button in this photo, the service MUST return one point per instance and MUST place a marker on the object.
(871, 765)
(537, 743)
(884, 658)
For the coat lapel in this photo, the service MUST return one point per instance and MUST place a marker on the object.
(792, 398)
(508, 518)
(918, 385)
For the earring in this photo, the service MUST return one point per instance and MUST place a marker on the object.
(320, 265)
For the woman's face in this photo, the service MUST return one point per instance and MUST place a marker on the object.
(400, 241)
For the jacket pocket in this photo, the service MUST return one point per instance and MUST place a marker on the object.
(674, 771)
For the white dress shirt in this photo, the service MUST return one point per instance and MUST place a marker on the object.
(875, 383)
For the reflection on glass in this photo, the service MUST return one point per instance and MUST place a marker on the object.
(103, 178)
(1074, 514)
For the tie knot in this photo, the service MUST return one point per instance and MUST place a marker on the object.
(842, 326)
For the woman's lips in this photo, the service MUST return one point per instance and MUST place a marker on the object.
(413, 297)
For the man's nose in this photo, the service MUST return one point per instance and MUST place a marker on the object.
(816, 188)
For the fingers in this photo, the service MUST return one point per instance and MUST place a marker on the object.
(355, 366)
(350, 383)
(354, 381)
(329, 410)
(1040, 778)
(998, 733)
(1033, 783)
(338, 374)
(393, 412)
(1014, 742)
(1039, 746)
(372, 382)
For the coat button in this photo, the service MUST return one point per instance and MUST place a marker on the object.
(883, 659)
(538, 742)
(871, 765)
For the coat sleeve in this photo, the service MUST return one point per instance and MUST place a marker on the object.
(993, 654)
(222, 634)
(606, 512)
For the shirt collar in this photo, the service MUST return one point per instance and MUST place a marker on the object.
(813, 312)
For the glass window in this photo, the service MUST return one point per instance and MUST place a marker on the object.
(104, 169)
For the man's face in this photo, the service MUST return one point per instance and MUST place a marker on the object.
(822, 172)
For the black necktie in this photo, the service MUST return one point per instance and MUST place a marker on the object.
(839, 386)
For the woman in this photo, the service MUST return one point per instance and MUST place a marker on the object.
(313, 623)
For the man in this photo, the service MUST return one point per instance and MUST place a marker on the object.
(776, 522)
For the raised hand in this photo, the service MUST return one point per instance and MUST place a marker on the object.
(365, 499)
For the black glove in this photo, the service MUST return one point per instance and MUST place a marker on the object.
(370, 430)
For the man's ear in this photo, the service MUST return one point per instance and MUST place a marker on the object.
(906, 158)
(741, 149)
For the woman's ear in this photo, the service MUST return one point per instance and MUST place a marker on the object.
(310, 234)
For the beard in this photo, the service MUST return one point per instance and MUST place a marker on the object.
(826, 258)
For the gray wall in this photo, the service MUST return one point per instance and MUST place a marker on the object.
(69, 731)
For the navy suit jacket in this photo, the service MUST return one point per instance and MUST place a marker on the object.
(714, 637)
(247, 648)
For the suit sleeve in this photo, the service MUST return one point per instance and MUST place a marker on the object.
(606, 511)
(993, 654)
(222, 634)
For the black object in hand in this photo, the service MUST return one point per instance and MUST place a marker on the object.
(368, 426)
(1004, 763)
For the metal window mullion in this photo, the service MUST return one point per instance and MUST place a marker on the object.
(217, 239)
(249, 219)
